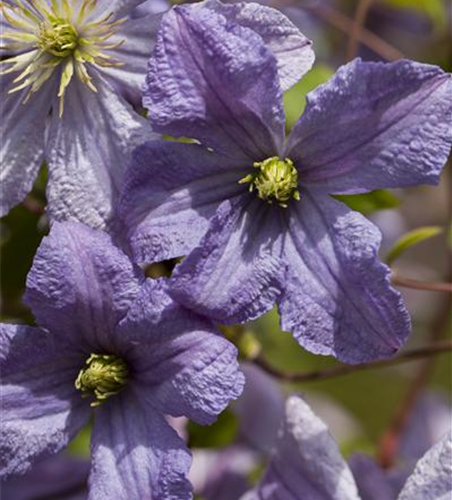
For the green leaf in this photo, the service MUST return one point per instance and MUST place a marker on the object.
(219, 434)
(370, 202)
(295, 97)
(410, 239)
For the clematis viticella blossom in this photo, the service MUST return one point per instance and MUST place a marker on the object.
(71, 73)
(114, 346)
(307, 463)
(252, 211)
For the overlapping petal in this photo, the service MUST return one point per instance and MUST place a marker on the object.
(41, 411)
(257, 428)
(338, 298)
(88, 150)
(293, 51)
(22, 132)
(432, 477)
(213, 80)
(237, 271)
(374, 482)
(182, 365)
(171, 191)
(59, 476)
(80, 285)
(136, 454)
(375, 125)
(138, 37)
(119, 8)
(306, 462)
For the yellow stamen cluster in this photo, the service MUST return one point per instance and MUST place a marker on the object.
(276, 180)
(69, 34)
(103, 376)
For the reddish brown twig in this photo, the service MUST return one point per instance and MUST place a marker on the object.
(358, 24)
(421, 285)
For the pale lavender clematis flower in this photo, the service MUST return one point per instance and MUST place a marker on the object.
(252, 211)
(66, 88)
(112, 344)
(307, 464)
(59, 477)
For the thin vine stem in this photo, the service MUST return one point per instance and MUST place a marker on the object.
(426, 351)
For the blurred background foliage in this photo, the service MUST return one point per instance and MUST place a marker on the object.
(418, 29)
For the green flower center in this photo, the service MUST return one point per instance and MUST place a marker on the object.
(103, 376)
(276, 180)
(57, 37)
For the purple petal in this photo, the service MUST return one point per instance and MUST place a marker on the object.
(171, 192)
(223, 475)
(22, 132)
(293, 51)
(375, 125)
(80, 285)
(256, 427)
(139, 37)
(182, 365)
(432, 477)
(150, 7)
(375, 483)
(120, 8)
(136, 455)
(306, 459)
(41, 409)
(236, 273)
(89, 149)
(215, 81)
(338, 298)
(60, 476)
(430, 419)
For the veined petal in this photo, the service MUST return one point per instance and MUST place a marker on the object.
(22, 132)
(293, 51)
(237, 272)
(432, 477)
(171, 191)
(139, 37)
(375, 125)
(214, 80)
(338, 299)
(41, 410)
(89, 149)
(136, 455)
(182, 365)
(306, 462)
(81, 285)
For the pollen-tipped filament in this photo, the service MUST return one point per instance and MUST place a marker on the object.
(62, 35)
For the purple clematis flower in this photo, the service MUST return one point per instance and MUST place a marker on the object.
(59, 477)
(112, 344)
(252, 211)
(307, 464)
(72, 71)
